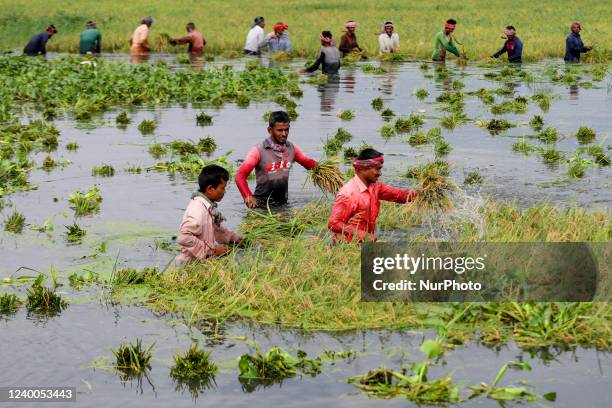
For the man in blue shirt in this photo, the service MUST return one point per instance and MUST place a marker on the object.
(574, 45)
(38, 43)
(513, 46)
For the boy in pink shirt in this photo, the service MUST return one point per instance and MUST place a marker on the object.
(201, 234)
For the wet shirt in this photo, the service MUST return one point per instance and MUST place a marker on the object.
(140, 40)
(514, 48)
(271, 171)
(442, 43)
(348, 42)
(91, 41)
(329, 60)
(37, 44)
(357, 206)
(574, 47)
(199, 234)
(388, 44)
(196, 42)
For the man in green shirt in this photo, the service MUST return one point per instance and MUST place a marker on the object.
(444, 42)
(91, 39)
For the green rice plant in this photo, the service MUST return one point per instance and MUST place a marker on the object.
(131, 276)
(282, 100)
(585, 135)
(266, 116)
(85, 203)
(123, 119)
(243, 100)
(434, 189)
(551, 156)
(327, 176)
(293, 114)
(387, 114)
(485, 96)
(133, 169)
(74, 234)
(133, 359)
(472, 178)
(78, 281)
(597, 152)
(332, 146)
(191, 165)
(207, 145)
(458, 85)
(347, 115)
(537, 123)
(202, 119)
(387, 131)
(548, 135)
(418, 138)
(577, 166)
(105, 170)
(194, 370)
(183, 147)
(424, 66)
(542, 100)
(15, 222)
(265, 226)
(434, 133)
(320, 79)
(523, 147)
(371, 69)
(49, 163)
(72, 146)
(377, 103)
(9, 303)
(343, 135)
(147, 127)
(157, 150)
(183, 59)
(451, 121)
(421, 93)
(441, 147)
(42, 300)
(495, 126)
(349, 154)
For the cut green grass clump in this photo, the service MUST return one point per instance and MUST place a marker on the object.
(85, 203)
(14, 223)
(524, 147)
(202, 119)
(418, 138)
(74, 233)
(548, 135)
(412, 122)
(542, 100)
(551, 156)
(105, 170)
(441, 147)
(147, 126)
(133, 359)
(123, 119)
(597, 152)
(585, 135)
(9, 303)
(43, 300)
(346, 115)
(421, 93)
(377, 103)
(537, 123)
(194, 368)
(450, 122)
(72, 146)
(387, 131)
(473, 178)
(157, 150)
(577, 166)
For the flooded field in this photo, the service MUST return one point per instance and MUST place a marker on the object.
(141, 209)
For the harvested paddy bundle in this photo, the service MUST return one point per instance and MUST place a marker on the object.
(259, 226)
(327, 176)
(434, 189)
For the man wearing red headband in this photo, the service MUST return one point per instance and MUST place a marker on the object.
(277, 40)
(358, 202)
(444, 42)
(328, 56)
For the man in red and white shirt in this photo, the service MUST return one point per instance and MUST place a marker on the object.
(357, 203)
(272, 160)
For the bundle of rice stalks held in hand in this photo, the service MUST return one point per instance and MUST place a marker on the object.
(327, 176)
(434, 190)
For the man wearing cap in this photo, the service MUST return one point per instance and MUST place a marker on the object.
(513, 46)
(139, 41)
(91, 39)
(255, 37)
(277, 40)
(194, 38)
(574, 45)
(444, 42)
(272, 160)
(328, 56)
(388, 40)
(348, 41)
(354, 214)
(38, 42)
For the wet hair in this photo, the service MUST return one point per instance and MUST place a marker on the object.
(451, 21)
(212, 175)
(369, 153)
(278, 117)
(191, 25)
(326, 34)
(510, 28)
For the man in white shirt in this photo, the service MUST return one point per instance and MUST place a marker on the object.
(255, 37)
(388, 40)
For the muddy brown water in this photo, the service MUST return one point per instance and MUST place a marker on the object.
(140, 212)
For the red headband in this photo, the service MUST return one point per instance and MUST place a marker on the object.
(376, 162)
(281, 26)
(449, 26)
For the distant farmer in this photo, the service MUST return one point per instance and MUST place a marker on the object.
(574, 45)
(354, 214)
(513, 46)
(255, 37)
(194, 38)
(348, 41)
(139, 40)
(277, 40)
(444, 41)
(38, 42)
(272, 160)
(328, 56)
(201, 234)
(91, 39)
(388, 40)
